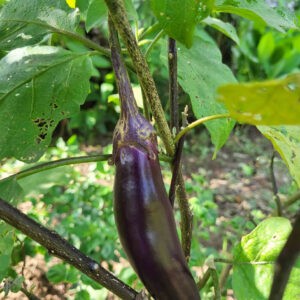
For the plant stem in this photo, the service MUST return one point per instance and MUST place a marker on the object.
(186, 224)
(274, 186)
(215, 280)
(59, 247)
(173, 85)
(202, 281)
(197, 123)
(285, 262)
(154, 41)
(175, 170)
(87, 42)
(59, 163)
(119, 17)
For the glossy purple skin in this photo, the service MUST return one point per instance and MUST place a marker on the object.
(147, 228)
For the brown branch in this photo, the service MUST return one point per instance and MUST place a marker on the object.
(175, 170)
(59, 247)
(285, 262)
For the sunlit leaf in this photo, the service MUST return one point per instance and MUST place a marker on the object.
(71, 3)
(254, 261)
(27, 22)
(272, 102)
(39, 86)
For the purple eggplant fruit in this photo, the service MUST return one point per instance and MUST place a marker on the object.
(143, 212)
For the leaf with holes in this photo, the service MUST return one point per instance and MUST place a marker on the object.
(272, 102)
(39, 86)
(258, 11)
(27, 22)
(178, 18)
(200, 72)
(254, 261)
(286, 140)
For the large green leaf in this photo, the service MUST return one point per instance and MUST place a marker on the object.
(254, 261)
(178, 18)
(27, 22)
(200, 73)
(39, 86)
(258, 11)
(286, 140)
(272, 102)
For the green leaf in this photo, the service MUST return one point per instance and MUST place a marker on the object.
(200, 73)
(27, 22)
(178, 18)
(82, 295)
(57, 273)
(43, 86)
(272, 102)
(286, 140)
(16, 285)
(10, 190)
(258, 11)
(225, 28)
(254, 260)
(96, 14)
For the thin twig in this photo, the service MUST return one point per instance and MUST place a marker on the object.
(203, 280)
(215, 280)
(29, 295)
(152, 44)
(58, 163)
(186, 224)
(224, 275)
(285, 262)
(197, 123)
(288, 202)
(274, 186)
(175, 170)
(59, 247)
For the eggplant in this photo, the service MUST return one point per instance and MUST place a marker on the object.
(143, 212)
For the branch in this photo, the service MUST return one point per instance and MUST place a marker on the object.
(68, 161)
(274, 186)
(175, 170)
(285, 262)
(186, 224)
(59, 247)
(59, 163)
(119, 17)
(87, 42)
(197, 123)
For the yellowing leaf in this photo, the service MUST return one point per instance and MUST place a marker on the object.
(71, 3)
(272, 102)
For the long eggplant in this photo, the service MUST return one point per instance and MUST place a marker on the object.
(143, 212)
